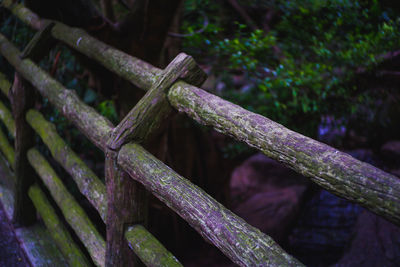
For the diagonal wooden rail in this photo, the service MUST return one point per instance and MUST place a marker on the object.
(73, 213)
(333, 170)
(330, 168)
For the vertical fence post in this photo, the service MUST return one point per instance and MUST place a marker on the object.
(127, 205)
(22, 98)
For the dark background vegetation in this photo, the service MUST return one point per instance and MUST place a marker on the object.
(329, 69)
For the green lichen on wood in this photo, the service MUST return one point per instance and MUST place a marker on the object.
(73, 213)
(84, 117)
(5, 85)
(148, 248)
(242, 243)
(7, 118)
(59, 233)
(88, 183)
(7, 180)
(7, 149)
(138, 72)
(153, 109)
(333, 170)
(24, 14)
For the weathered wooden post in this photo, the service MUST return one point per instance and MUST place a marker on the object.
(23, 98)
(127, 202)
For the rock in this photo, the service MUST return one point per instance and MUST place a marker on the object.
(324, 229)
(267, 195)
(391, 151)
(376, 242)
(273, 211)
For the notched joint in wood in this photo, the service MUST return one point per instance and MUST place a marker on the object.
(40, 44)
(188, 70)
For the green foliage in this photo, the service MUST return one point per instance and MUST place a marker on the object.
(303, 67)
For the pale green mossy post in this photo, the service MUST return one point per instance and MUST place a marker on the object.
(7, 118)
(88, 183)
(152, 254)
(5, 85)
(242, 243)
(59, 233)
(22, 96)
(333, 170)
(7, 149)
(73, 213)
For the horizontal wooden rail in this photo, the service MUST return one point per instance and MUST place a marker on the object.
(242, 243)
(152, 254)
(88, 183)
(7, 149)
(141, 251)
(72, 211)
(84, 117)
(5, 85)
(333, 170)
(56, 228)
(7, 118)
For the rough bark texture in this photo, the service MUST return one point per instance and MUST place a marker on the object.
(147, 247)
(84, 117)
(24, 14)
(153, 109)
(7, 118)
(22, 96)
(73, 213)
(60, 234)
(333, 170)
(127, 205)
(88, 183)
(130, 68)
(242, 243)
(7, 149)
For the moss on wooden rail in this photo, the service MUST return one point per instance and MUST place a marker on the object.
(5, 85)
(84, 117)
(333, 170)
(73, 213)
(88, 183)
(59, 233)
(242, 243)
(149, 250)
(140, 251)
(7, 118)
(7, 149)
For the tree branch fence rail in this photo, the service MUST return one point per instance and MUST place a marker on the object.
(131, 170)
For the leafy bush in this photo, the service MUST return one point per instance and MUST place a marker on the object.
(303, 68)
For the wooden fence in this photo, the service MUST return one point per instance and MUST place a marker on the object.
(131, 170)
